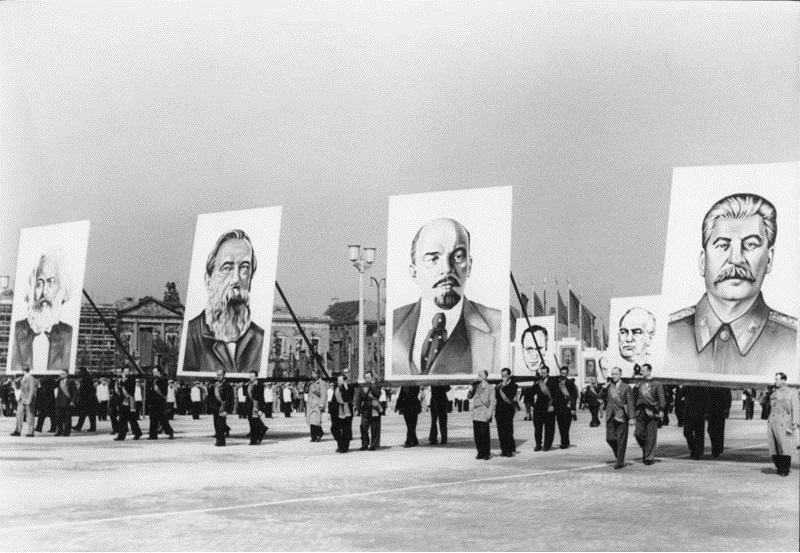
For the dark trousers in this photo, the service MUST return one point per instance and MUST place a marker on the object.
(371, 432)
(287, 409)
(694, 432)
(594, 410)
(438, 415)
(542, 420)
(128, 417)
(716, 433)
(90, 413)
(749, 410)
(220, 428)
(336, 430)
(411, 428)
(480, 431)
(505, 432)
(617, 438)
(158, 419)
(102, 410)
(345, 427)
(64, 421)
(645, 434)
(316, 432)
(114, 416)
(43, 415)
(564, 419)
(196, 410)
(679, 414)
(268, 410)
(257, 429)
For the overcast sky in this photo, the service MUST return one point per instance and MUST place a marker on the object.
(139, 117)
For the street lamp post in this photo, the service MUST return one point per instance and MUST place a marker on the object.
(377, 283)
(361, 260)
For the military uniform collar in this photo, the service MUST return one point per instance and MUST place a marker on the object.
(745, 330)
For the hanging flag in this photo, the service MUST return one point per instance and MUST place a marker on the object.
(538, 306)
(524, 301)
(562, 309)
(605, 338)
(587, 325)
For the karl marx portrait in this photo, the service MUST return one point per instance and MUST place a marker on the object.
(444, 332)
(223, 337)
(732, 330)
(41, 341)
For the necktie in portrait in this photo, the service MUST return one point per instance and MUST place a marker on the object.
(434, 342)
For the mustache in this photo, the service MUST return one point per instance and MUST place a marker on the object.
(449, 279)
(735, 272)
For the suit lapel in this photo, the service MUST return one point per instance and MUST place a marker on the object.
(403, 342)
(223, 357)
(481, 341)
(241, 346)
(454, 357)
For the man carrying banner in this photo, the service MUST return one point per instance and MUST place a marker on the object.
(254, 394)
(618, 398)
(220, 403)
(342, 414)
(369, 407)
(317, 397)
(565, 397)
(544, 413)
(650, 402)
(506, 408)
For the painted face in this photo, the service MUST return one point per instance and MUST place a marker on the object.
(442, 262)
(568, 357)
(530, 355)
(46, 287)
(634, 339)
(736, 258)
(233, 270)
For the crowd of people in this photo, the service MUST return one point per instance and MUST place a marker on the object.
(550, 402)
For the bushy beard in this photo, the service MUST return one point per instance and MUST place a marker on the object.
(44, 313)
(228, 310)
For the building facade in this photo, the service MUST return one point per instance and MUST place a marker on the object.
(344, 339)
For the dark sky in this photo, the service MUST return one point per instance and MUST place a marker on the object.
(139, 117)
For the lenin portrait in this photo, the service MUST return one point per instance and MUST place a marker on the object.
(42, 341)
(444, 332)
(223, 336)
(732, 330)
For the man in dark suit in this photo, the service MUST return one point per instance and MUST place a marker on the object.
(220, 403)
(565, 397)
(128, 413)
(618, 398)
(719, 408)
(438, 406)
(369, 408)
(731, 330)
(66, 397)
(444, 332)
(591, 396)
(254, 398)
(87, 401)
(41, 340)
(505, 409)
(544, 413)
(650, 403)
(46, 404)
(223, 337)
(158, 406)
(409, 406)
(343, 412)
(695, 403)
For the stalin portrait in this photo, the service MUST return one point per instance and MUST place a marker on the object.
(732, 330)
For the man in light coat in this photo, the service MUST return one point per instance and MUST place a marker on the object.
(27, 400)
(483, 399)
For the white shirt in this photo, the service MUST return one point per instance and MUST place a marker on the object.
(41, 352)
(170, 394)
(287, 395)
(137, 394)
(427, 311)
(102, 392)
(268, 398)
(231, 350)
(196, 397)
(240, 393)
(330, 395)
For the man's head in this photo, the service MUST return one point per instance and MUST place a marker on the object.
(253, 375)
(483, 375)
(48, 289)
(647, 370)
(739, 234)
(544, 371)
(220, 375)
(616, 374)
(368, 376)
(342, 379)
(63, 374)
(592, 380)
(505, 373)
(563, 372)
(636, 330)
(780, 379)
(126, 372)
(156, 371)
(229, 271)
(530, 353)
(441, 261)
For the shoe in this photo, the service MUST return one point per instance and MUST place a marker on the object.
(648, 462)
(58, 434)
(363, 448)
(562, 446)
(220, 444)
(172, 436)
(29, 435)
(15, 433)
(546, 449)
(137, 436)
(433, 442)
(152, 437)
(373, 448)
(119, 439)
(76, 429)
(537, 448)
(617, 467)
(506, 455)
(92, 430)
(487, 457)
(479, 456)
(406, 445)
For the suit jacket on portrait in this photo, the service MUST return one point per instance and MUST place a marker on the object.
(474, 345)
(204, 353)
(60, 346)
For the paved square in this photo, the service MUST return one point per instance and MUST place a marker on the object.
(87, 492)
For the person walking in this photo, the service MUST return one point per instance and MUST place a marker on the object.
(784, 421)
(506, 408)
(196, 395)
(695, 405)
(66, 396)
(619, 409)
(128, 414)
(317, 392)
(157, 400)
(87, 402)
(343, 397)
(718, 410)
(650, 402)
(565, 398)
(369, 407)
(591, 396)
(409, 406)
(103, 396)
(46, 404)
(28, 387)
(482, 395)
(220, 403)
(253, 396)
(439, 405)
(544, 413)
(286, 401)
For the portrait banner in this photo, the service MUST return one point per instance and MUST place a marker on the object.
(569, 355)
(48, 292)
(732, 273)
(637, 334)
(526, 357)
(589, 366)
(448, 266)
(228, 319)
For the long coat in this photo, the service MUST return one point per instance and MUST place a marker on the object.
(483, 402)
(784, 413)
(315, 406)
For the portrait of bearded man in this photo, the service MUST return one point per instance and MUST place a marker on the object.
(223, 337)
(41, 341)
